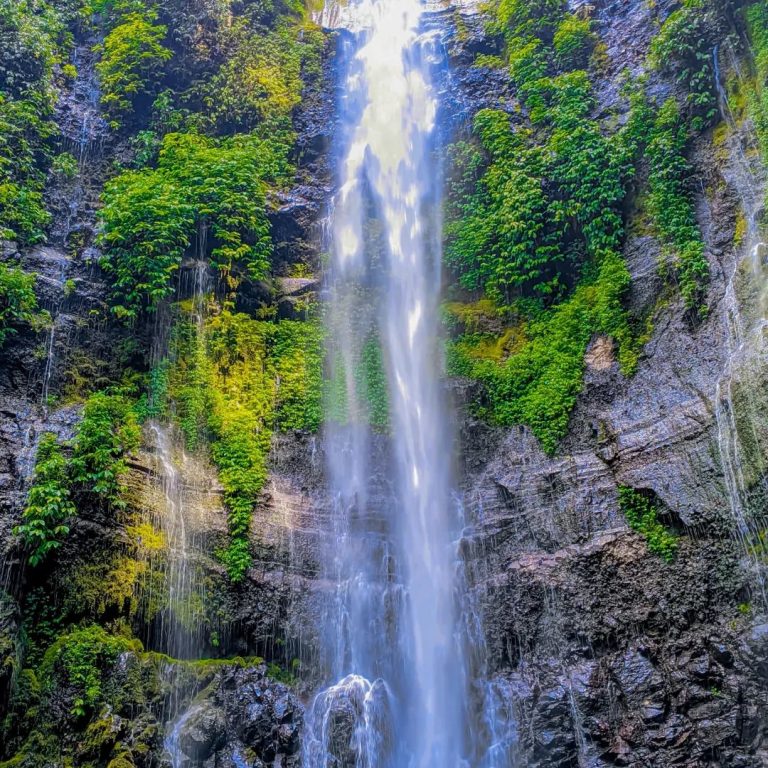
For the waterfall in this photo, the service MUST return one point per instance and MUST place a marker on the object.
(394, 663)
(740, 405)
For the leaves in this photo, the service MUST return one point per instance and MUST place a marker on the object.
(49, 503)
(671, 206)
(131, 62)
(207, 192)
(643, 517)
(18, 302)
(108, 431)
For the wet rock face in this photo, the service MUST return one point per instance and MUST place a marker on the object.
(245, 719)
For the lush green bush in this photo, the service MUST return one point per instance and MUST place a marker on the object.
(643, 517)
(684, 45)
(534, 220)
(108, 432)
(539, 381)
(757, 100)
(49, 504)
(296, 357)
(132, 58)
(32, 38)
(573, 42)
(671, 206)
(204, 193)
(18, 302)
(262, 82)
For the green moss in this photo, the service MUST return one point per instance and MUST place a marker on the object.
(79, 660)
(642, 514)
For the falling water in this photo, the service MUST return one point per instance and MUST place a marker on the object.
(395, 677)
(740, 406)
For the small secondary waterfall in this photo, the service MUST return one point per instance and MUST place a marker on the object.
(394, 659)
(741, 403)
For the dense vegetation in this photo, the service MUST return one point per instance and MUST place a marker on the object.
(199, 99)
(228, 384)
(537, 205)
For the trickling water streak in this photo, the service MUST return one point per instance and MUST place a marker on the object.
(739, 427)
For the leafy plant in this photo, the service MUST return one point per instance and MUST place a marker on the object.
(82, 658)
(107, 433)
(670, 204)
(229, 384)
(131, 62)
(573, 41)
(684, 45)
(49, 503)
(643, 517)
(207, 193)
(18, 302)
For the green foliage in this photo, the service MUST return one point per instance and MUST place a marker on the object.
(525, 18)
(80, 660)
(229, 384)
(107, 433)
(643, 517)
(48, 502)
(130, 67)
(261, 83)
(204, 192)
(671, 206)
(684, 45)
(65, 165)
(573, 42)
(539, 382)
(534, 220)
(18, 302)
(296, 356)
(32, 38)
(757, 25)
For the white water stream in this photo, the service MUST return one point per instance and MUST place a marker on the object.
(396, 678)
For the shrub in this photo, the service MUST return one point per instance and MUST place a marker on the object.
(80, 660)
(671, 206)
(107, 433)
(684, 46)
(49, 505)
(32, 38)
(18, 302)
(573, 42)
(131, 62)
(539, 382)
(204, 192)
(643, 517)
(261, 83)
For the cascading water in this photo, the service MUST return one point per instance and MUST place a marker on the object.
(394, 658)
(740, 405)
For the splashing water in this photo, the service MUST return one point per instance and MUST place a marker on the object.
(394, 651)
